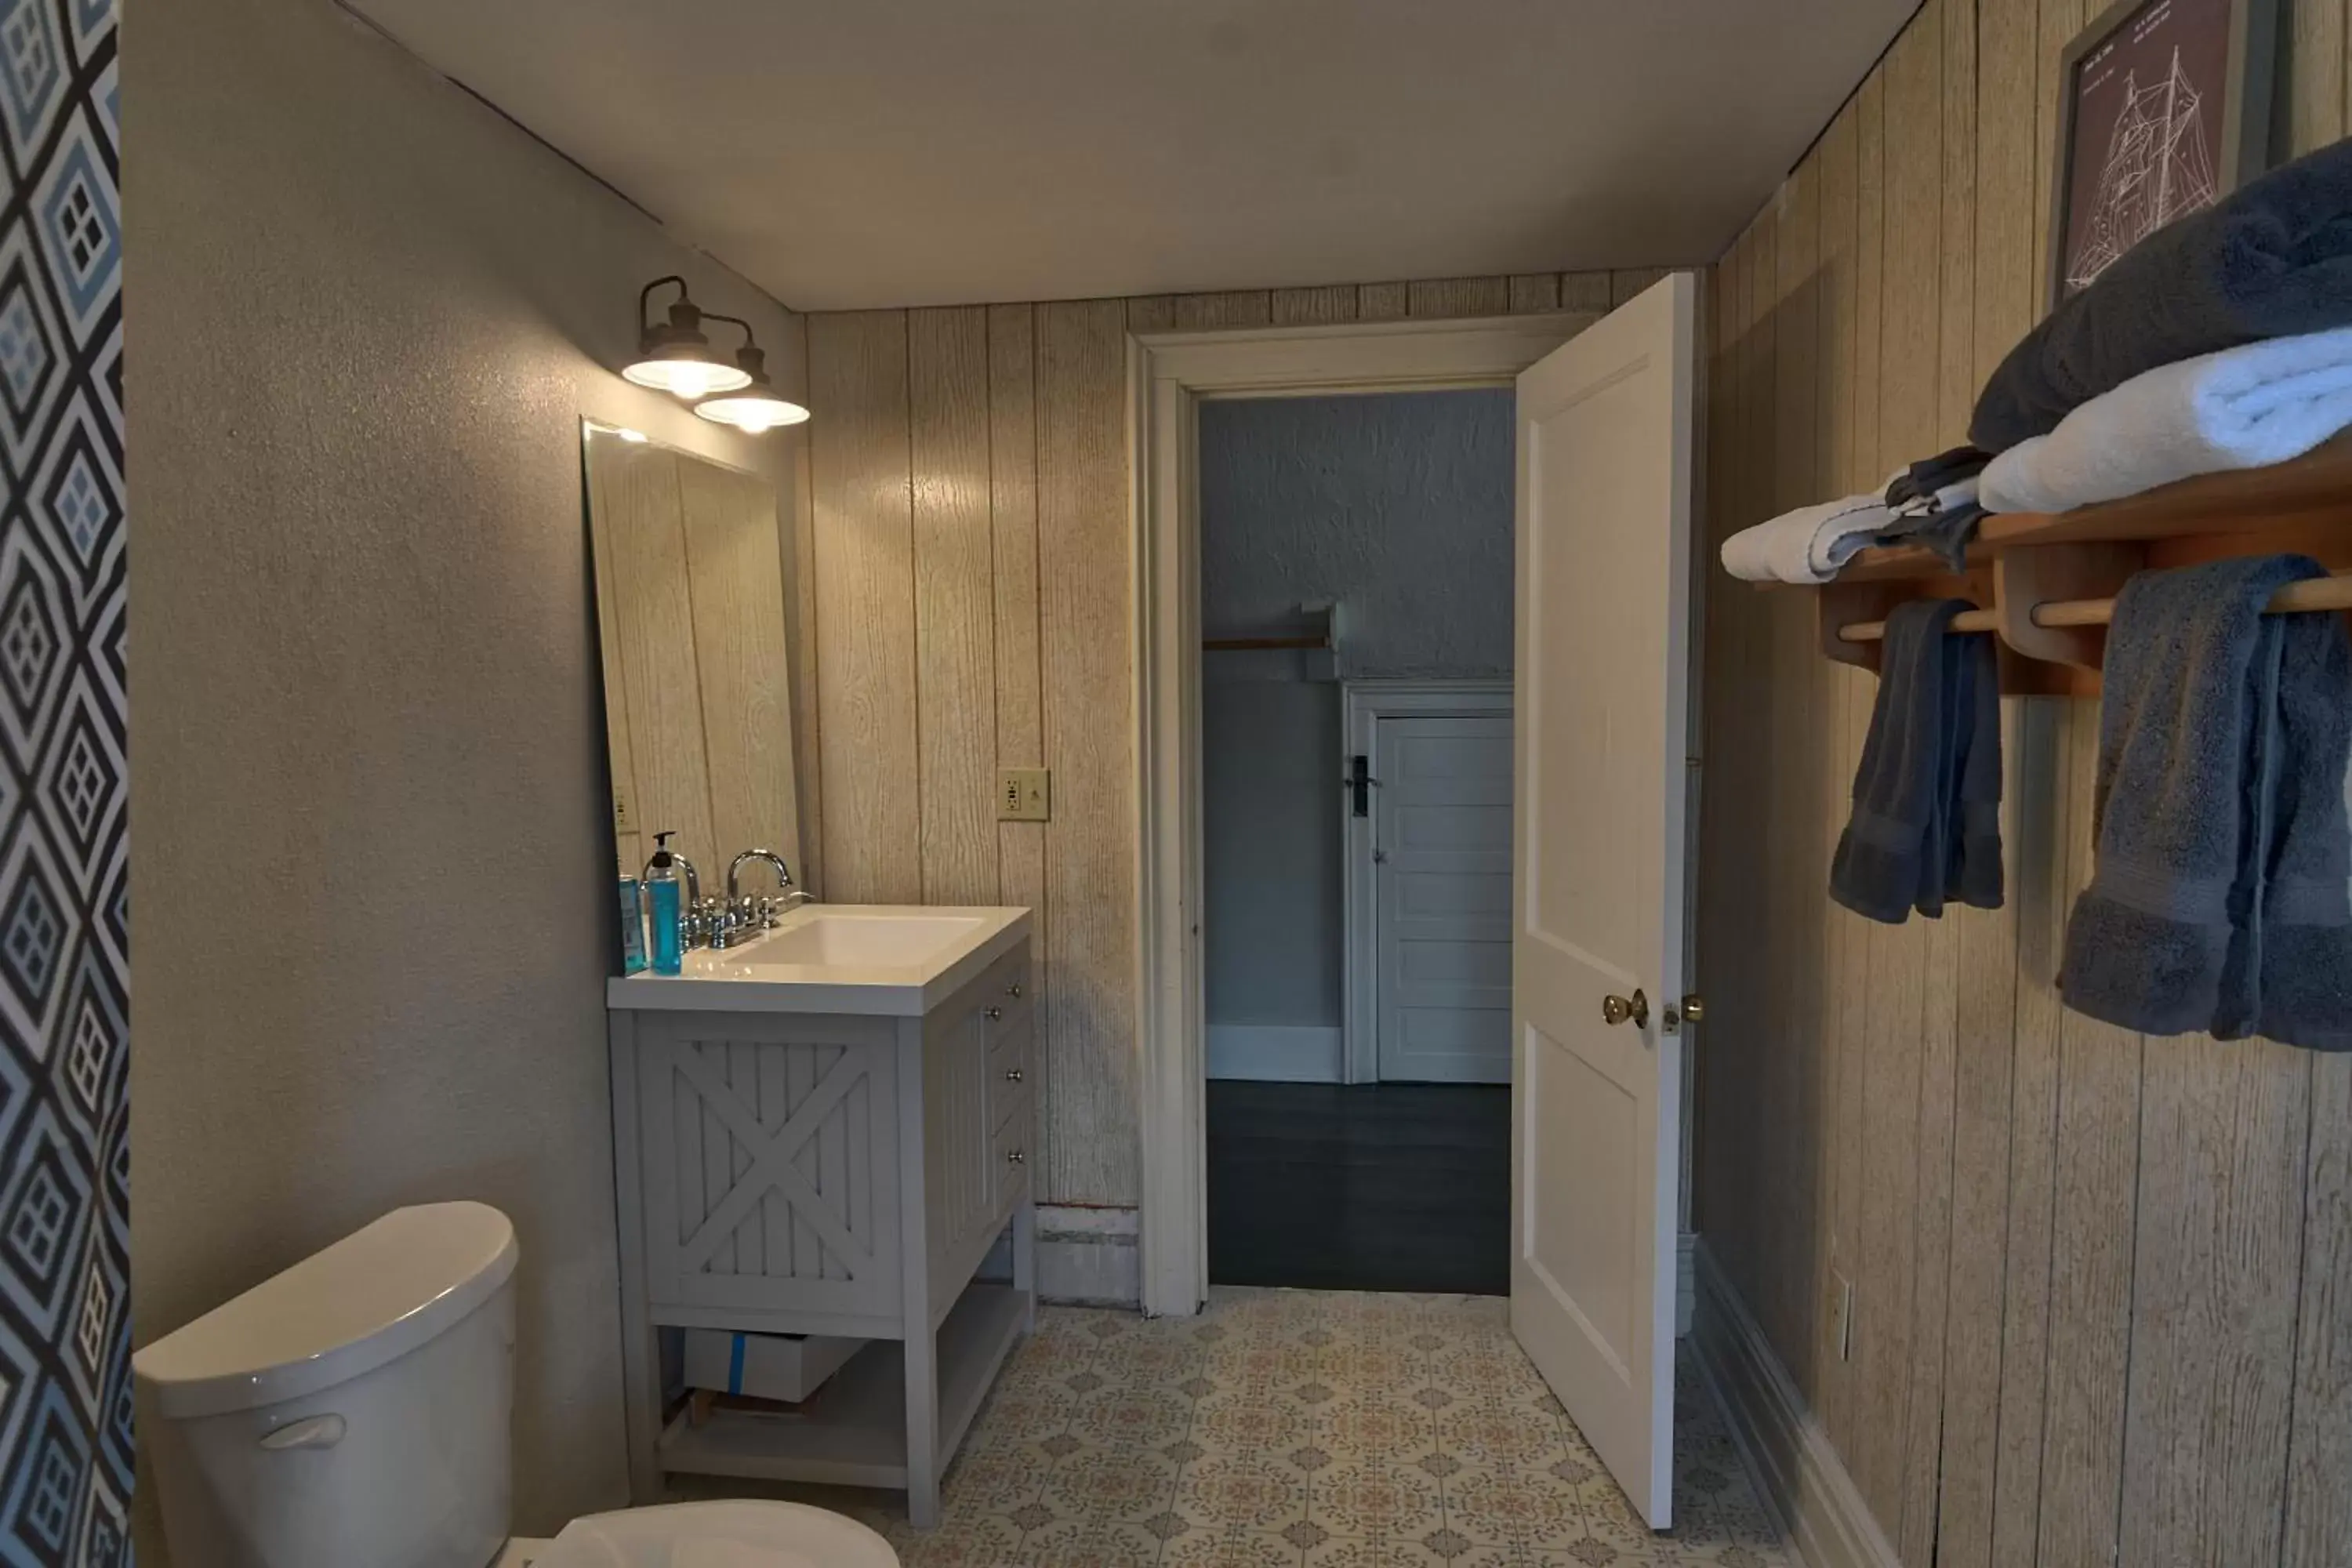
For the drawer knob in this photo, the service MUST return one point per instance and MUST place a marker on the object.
(1014, 990)
(992, 1014)
(1013, 1075)
(1015, 1157)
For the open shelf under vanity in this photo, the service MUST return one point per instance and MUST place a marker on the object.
(852, 1432)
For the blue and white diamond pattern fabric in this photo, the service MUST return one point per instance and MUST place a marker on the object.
(36, 357)
(24, 352)
(34, 77)
(66, 1437)
(75, 209)
(76, 499)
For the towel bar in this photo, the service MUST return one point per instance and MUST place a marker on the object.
(2316, 594)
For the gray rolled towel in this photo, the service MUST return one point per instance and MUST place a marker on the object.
(1926, 825)
(2272, 259)
(2218, 813)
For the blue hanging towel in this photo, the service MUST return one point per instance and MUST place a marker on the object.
(2218, 903)
(1926, 825)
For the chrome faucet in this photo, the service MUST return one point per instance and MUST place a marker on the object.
(742, 914)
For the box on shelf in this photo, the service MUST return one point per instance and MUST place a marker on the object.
(789, 1367)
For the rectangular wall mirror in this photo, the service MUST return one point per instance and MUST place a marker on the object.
(697, 665)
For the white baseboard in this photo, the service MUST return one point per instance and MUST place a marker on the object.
(1277, 1053)
(1087, 1257)
(1796, 1471)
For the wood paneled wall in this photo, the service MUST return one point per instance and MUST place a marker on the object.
(2102, 1283)
(968, 609)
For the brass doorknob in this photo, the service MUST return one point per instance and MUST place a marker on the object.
(1694, 1008)
(1617, 1009)
(992, 1014)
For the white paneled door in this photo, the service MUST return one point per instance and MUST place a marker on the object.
(1442, 875)
(1598, 851)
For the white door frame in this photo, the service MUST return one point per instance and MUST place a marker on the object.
(1167, 375)
(1364, 703)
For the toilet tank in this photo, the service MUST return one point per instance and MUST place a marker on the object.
(352, 1410)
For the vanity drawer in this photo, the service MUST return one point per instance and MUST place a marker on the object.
(1011, 1149)
(1002, 1023)
(1010, 1073)
(1007, 990)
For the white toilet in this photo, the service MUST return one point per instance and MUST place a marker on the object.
(353, 1412)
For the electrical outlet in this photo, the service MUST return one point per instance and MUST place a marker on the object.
(625, 821)
(1842, 1305)
(1024, 794)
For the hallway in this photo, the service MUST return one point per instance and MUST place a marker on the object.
(1368, 1186)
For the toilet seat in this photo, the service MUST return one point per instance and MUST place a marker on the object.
(709, 1535)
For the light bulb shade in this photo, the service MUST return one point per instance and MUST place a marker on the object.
(755, 411)
(676, 357)
(687, 370)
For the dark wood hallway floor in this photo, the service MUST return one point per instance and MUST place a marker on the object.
(1388, 1186)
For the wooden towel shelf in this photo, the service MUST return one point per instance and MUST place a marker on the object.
(2047, 581)
(2316, 594)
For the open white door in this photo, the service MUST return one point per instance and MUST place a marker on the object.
(1604, 504)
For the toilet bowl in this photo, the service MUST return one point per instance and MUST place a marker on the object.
(722, 1534)
(353, 1411)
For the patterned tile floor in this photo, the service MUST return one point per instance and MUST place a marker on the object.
(1306, 1429)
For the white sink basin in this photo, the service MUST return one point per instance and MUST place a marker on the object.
(837, 958)
(854, 940)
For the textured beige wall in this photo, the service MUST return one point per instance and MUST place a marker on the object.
(373, 868)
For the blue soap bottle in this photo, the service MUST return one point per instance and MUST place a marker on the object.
(664, 893)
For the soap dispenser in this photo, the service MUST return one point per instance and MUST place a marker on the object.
(665, 893)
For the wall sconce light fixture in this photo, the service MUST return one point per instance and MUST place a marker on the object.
(675, 356)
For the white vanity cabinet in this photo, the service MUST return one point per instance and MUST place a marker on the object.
(845, 1171)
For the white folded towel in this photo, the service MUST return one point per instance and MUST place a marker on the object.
(1809, 544)
(2241, 408)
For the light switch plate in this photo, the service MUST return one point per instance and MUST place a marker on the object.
(1024, 794)
(625, 821)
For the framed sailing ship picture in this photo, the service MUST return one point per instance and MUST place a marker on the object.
(2163, 108)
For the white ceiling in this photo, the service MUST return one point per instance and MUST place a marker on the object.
(867, 153)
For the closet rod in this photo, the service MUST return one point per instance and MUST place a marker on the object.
(2312, 593)
(1247, 645)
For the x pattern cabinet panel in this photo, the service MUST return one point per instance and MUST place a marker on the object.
(771, 1160)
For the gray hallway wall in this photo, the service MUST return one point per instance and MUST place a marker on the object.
(1399, 507)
